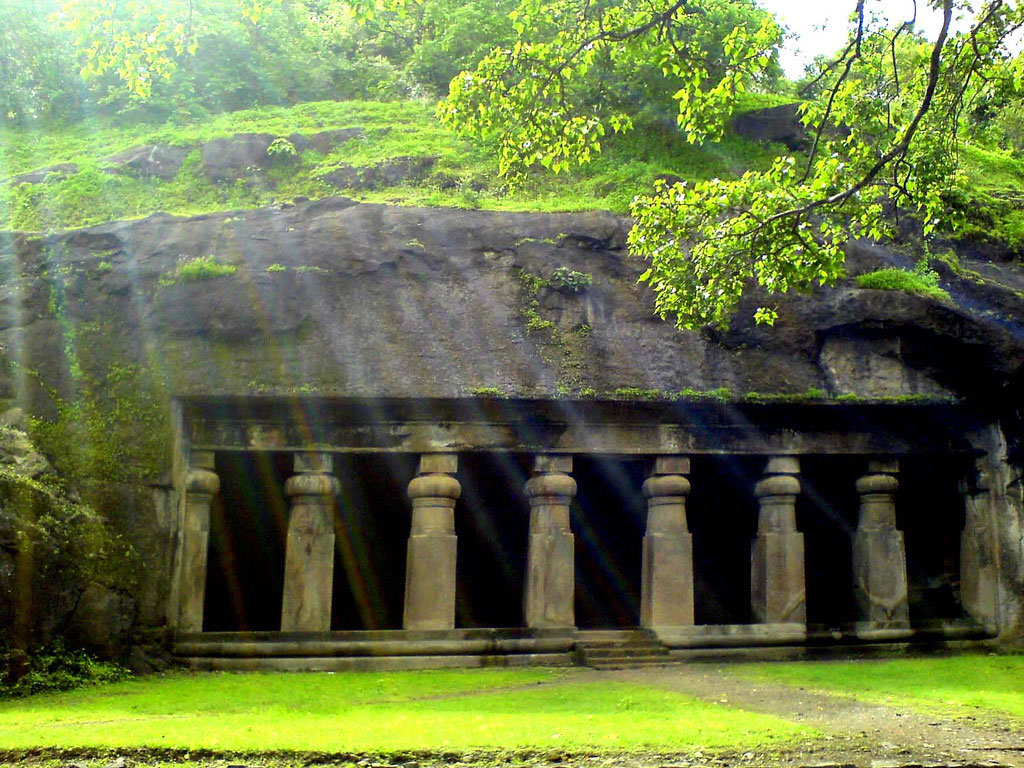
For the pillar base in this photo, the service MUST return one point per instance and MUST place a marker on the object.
(430, 582)
(777, 578)
(308, 574)
(880, 578)
(667, 580)
(550, 580)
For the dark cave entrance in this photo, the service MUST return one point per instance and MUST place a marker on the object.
(721, 511)
(492, 522)
(608, 519)
(371, 535)
(827, 510)
(248, 530)
(930, 512)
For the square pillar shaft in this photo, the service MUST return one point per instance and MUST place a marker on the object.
(666, 585)
(979, 571)
(432, 552)
(777, 586)
(309, 552)
(879, 558)
(550, 569)
(202, 484)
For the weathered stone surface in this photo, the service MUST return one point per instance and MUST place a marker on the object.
(781, 124)
(333, 298)
(150, 161)
(879, 557)
(102, 621)
(388, 173)
(406, 302)
(550, 578)
(777, 587)
(49, 173)
(309, 549)
(325, 141)
(431, 556)
(666, 580)
(237, 157)
(202, 485)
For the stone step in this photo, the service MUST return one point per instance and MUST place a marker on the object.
(612, 635)
(625, 650)
(620, 649)
(633, 663)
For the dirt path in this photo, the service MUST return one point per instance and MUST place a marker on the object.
(857, 733)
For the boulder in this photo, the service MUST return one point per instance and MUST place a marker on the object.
(779, 124)
(102, 622)
(389, 173)
(237, 157)
(150, 161)
(57, 172)
(325, 141)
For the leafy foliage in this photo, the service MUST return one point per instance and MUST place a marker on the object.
(552, 96)
(57, 668)
(884, 122)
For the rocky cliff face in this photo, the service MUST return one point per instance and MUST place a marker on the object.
(100, 327)
(340, 298)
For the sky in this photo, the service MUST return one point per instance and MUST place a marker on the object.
(821, 26)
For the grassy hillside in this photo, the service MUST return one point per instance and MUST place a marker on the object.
(463, 176)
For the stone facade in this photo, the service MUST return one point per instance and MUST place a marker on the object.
(431, 340)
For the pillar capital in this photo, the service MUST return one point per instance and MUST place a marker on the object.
(202, 482)
(552, 463)
(783, 465)
(202, 460)
(671, 465)
(311, 485)
(658, 486)
(320, 463)
(438, 464)
(777, 485)
(884, 465)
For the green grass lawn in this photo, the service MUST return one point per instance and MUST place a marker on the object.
(383, 712)
(956, 686)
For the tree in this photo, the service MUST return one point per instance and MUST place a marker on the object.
(885, 124)
(37, 77)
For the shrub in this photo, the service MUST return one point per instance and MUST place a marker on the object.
(570, 280)
(56, 668)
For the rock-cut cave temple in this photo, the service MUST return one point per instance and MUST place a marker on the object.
(399, 438)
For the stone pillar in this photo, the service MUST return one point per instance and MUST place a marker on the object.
(309, 554)
(201, 485)
(666, 586)
(777, 588)
(879, 559)
(979, 567)
(550, 575)
(430, 562)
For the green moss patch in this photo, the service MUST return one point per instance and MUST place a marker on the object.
(893, 279)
